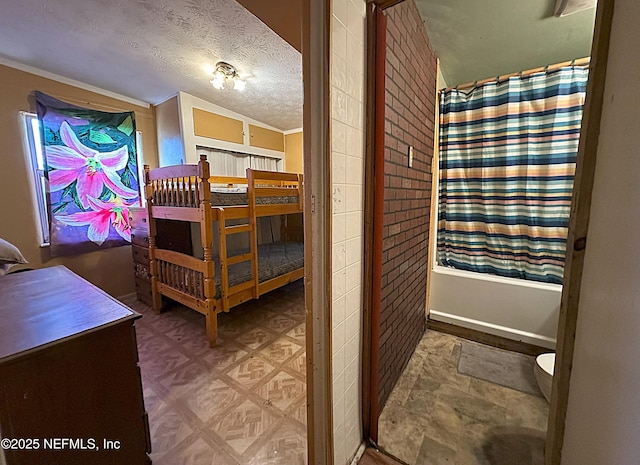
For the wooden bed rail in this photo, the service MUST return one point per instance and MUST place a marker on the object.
(180, 259)
(229, 180)
(182, 279)
(175, 191)
(259, 175)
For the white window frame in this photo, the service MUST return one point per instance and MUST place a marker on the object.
(36, 165)
(140, 161)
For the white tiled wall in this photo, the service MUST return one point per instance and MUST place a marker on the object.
(347, 152)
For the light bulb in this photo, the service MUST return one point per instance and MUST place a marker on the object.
(229, 83)
(239, 84)
(217, 81)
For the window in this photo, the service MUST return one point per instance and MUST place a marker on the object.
(226, 163)
(140, 159)
(37, 167)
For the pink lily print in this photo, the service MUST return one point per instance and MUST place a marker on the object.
(113, 212)
(91, 168)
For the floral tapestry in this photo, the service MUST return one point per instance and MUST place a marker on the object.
(91, 166)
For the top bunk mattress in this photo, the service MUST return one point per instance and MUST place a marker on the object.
(229, 197)
(220, 197)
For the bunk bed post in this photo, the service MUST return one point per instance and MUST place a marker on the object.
(251, 196)
(156, 297)
(300, 193)
(222, 256)
(207, 242)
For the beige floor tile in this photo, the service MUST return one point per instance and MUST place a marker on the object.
(251, 371)
(244, 425)
(281, 350)
(286, 447)
(168, 428)
(401, 433)
(197, 453)
(281, 390)
(207, 400)
(202, 402)
(223, 355)
(280, 323)
(298, 332)
(256, 338)
(299, 364)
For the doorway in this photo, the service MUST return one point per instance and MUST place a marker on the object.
(372, 389)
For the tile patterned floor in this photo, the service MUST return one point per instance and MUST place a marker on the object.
(437, 416)
(240, 403)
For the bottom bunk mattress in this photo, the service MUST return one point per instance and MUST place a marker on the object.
(274, 259)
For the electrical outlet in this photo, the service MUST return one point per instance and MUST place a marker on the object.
(411, 156)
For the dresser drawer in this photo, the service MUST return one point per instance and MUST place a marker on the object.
(142, 271)
(140, 237)
(138, 219)
(143, 290)
(140, 254)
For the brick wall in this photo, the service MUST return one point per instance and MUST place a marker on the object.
(409, 114)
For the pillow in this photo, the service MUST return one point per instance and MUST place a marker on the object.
(9, 255)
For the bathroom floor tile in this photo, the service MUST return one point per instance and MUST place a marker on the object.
(436, 415)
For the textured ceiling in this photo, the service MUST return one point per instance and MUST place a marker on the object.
(480, 39)
(151, 49)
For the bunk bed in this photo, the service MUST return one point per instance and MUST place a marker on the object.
(219, 281)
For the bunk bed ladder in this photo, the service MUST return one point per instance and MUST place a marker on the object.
(225, 261)
(251, 196)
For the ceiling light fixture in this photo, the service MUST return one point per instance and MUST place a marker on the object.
(226, 76)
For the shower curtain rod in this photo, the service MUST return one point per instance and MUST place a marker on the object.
(577, 62)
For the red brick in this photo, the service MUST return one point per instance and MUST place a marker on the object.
(409, 115)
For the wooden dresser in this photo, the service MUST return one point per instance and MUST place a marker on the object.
(69, 376)
(172, 235)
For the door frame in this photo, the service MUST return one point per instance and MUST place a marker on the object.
(576, 240)
(578, 228)
(317, 228)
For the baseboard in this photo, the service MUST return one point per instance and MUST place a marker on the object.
(126, 296)
(376, 456)
(358, 455)
(486, 338)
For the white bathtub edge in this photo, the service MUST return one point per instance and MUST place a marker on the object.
(497, 330)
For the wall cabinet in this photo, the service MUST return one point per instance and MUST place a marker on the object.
(185, 122)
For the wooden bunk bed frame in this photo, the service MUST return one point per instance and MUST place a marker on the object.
(183, 193)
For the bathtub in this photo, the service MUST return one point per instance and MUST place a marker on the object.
(516, 309)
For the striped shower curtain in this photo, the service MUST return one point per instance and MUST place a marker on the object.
(507, 161)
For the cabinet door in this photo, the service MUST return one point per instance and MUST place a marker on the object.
(214, 126)
(266, 138)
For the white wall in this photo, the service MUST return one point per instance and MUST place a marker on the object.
(603, 418)
(347, 158)
(512, 308)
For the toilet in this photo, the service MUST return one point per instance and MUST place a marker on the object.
(544, 373)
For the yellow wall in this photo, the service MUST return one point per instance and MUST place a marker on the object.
(293, 152)
(110, 269)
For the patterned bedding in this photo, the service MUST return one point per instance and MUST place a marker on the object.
(274, 259)
(231, 197)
